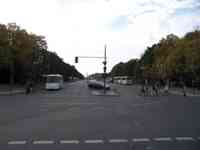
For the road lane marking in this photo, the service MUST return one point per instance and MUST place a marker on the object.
(16, 142)
(43, 142)
(141, 140)
(69, 142)
(118, 140)
(94, 141)
(184, 138)
(163, 139)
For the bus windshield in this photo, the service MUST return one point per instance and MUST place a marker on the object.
(53, 79)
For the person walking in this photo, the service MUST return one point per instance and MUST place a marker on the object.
(184, 89)
(27, 88)
(142, 90)
(156, 89)
(146, 88)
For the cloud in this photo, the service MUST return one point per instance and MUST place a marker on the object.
(82, 27)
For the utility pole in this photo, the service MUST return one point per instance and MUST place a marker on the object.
(11, 28)
(104, 70)
(11, 64)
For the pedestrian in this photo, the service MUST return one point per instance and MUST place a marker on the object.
(184, 90)
(155, 89)
(31, 86)
(166, 89)
(142, 90)
(28, 88)
(146, 89)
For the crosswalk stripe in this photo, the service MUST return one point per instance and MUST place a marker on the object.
(43, 142)
(163, 139)
(118, 140)
(16, 142)
(184, 138)
(94, 141)
(69, 142)
(141, 140)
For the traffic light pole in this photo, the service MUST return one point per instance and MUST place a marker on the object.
(11, 29)
(104, 69)
(11, 63)
(104, 63)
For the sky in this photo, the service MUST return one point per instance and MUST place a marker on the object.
(83, 27)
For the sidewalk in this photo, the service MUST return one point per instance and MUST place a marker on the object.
(5, 89)
(189, 91)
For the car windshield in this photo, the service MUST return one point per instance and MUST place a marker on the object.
(100, 74)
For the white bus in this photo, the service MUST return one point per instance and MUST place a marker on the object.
(124, 80)
(54, 82)
(117, 79)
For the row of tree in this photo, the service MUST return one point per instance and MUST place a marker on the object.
(25, 56)
(172, 58)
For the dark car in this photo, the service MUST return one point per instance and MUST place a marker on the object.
(97, 85)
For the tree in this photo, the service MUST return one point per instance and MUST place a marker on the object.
(171, 58)
(125, 69)
(29, 55)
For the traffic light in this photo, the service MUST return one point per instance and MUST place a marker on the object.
(104, 69)
(76, 59)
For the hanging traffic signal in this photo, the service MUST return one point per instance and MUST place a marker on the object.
(76, 59)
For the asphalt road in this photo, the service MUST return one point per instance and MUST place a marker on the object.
(73, 118)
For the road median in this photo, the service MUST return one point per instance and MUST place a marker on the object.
(105, 93)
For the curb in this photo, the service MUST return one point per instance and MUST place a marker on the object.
(12, 92)
(101, 93)
(180, 93)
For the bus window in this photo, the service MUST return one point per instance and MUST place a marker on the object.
(54, 82)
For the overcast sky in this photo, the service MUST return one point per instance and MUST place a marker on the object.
(82, 27)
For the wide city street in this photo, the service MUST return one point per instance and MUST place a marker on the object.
(75, 119)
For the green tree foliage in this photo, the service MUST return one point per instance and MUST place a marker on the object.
(171, 58)
(29, 55)
(125, 69)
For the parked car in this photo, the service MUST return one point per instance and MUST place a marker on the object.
(97, 85)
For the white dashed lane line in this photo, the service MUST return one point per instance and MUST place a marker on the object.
(69, 142)
(100, 141)
(16, 142)
(43, 142)
(118, 140)
(162, 139)
(141, 140)
(185, 139)
(94, 141)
